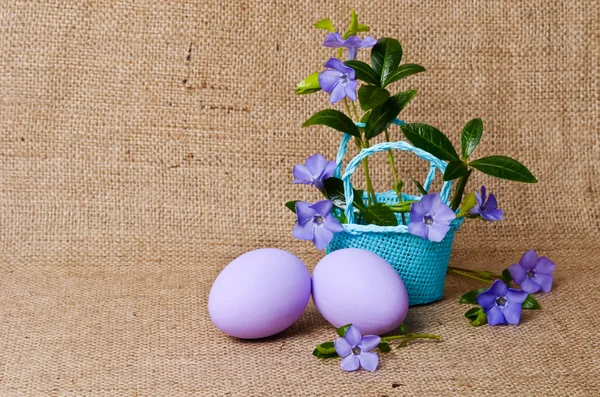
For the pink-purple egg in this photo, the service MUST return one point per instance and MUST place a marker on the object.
(259, 294)
(354, 286)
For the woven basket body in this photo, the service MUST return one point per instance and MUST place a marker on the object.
(421, 263)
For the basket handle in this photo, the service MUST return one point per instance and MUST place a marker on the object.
(381, 147)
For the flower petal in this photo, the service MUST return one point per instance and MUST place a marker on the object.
(352, 53)
(530, 286)
(491, 204)
(353, 335)
(437, 232)
(316, 164)
(329, 79)
(417, 212)
(342, 348)
(369, 342)
(333, 40)
(495, 316)
(322, 237)
(350, 363)
(332, 224)
(329, 170)
(517, 272)
(303, 212)
(305, 231)
(512, 313)
(334, 63)
(352, 41)
(302, 174)
(368, 42)
(477, 207)
(418, 228)
(368, 361)
(544, 265)
(350, 89)
(429, 202)
(443, 214)
(322, 207)
(492, 215)
(498, 288)
(483, 194)
(486, 301)
(516, 296)
(337, 94)
(544, 280)
(529, 260)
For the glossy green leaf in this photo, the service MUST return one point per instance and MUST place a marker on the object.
(430, 139)
(531, 303)
(504, 167)
(341, 331)
(384, 347)
(455, 169)
(468, 202)
(385, 57)
(292, 205)
(334, 191)
(325, 350)
(471, 296)
(371, 96)
(506, 277)
(334, 119)
(325, 24)
(403, 71)
(470, 136)
(363, 72)
(383, 115)
(420, 187)
(309, 85)
(472, 314)
(476, 316)
(380, 214)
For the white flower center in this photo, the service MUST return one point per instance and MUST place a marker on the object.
(501, 301)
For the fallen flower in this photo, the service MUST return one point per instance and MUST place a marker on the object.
(502, 305)
(355, 350)
(533, 273)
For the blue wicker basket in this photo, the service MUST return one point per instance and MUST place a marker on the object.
(421, 263)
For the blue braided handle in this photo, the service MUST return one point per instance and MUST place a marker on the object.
(404, 146)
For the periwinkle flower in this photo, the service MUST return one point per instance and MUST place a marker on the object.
(352, 43)
(355, 350)
(533, 273)
(487, 209)
(502, 305)
(430, 218)
(339, 80)
(316, 223)
(316, 170)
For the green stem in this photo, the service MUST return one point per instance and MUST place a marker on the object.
(469, 275)
(355, 112)
(347, 107)
(391, 157)
(460, 190)
(367, 176)
(403, 218)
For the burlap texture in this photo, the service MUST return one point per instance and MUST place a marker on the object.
(144, 145)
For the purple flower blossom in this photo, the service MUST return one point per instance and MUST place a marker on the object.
(352, 43)
(354, 350)
(316, 223)
(316, 170)
(340, 82)
(502, 305)
(488, 210)
(533, 273)
(430, 218)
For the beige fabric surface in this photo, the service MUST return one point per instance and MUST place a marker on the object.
(144, 145)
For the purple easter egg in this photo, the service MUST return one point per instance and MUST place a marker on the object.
(259, 294)
(354, 286)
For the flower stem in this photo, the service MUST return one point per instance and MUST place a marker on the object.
(367, 176)
(460, 190)
(469, 275)
(355, 112)
(347, 107)
(391, 157)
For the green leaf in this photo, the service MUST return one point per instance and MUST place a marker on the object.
(384, 347)
(325, 350)
(430, 139)
(506, 277)
(402, 329)
(325, 24)
(476, 316)
(380, 214)
(365, 117)
(505, 168)
(309, 85)
(470, 136)
(353, 29)
(468, 202)
(363, 28)
(531, 303)
(363, 72)
(341, 331)
(292, 205)
(420, 187)
(334, 119)
(471, 296)
(385, 57)
(455, 169)
(371, 96)
(403, 71)
(334, 191)
(398, 189)
(383, 115)
(472, 314)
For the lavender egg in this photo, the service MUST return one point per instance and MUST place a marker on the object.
(354, 286)
(259, 294)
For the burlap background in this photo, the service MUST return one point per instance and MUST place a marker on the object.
(144, 145)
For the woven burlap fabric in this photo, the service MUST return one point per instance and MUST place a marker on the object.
(144, 145)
